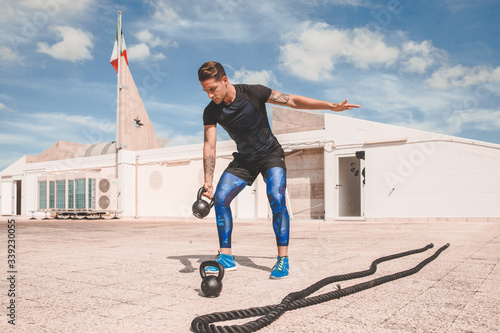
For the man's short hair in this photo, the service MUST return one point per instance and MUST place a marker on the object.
(211, 69)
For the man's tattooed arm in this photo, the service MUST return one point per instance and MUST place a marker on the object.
(209, 165)
(278, 97)
(307, 103)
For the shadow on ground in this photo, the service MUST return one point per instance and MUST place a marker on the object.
(187, 261)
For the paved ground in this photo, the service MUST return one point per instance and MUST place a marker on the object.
(142, 276)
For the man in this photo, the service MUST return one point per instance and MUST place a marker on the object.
(240, 109)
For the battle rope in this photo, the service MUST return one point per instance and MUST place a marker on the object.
(296, 300)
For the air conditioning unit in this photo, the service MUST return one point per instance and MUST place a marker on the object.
(106, 194)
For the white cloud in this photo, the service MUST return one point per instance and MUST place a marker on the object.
(462, 76)
(163, 11)
(495, 76)
(26, 21)
(138, 52)
(353, 3)
(418, 57)
(33, 127)
(33, 133)
(3, 107)
(227, 20)
(479, 119)
(177, 139)
(66, 7)
(417, 64)
(52, 127)
(263, 77)
(312, 51)
(142, 51)
(90, 122)
(9, 55)
(235, 20)
(395, 97)
(18, 138)
(145, 36)
(404, 102)
(368, 49)
(75, 45)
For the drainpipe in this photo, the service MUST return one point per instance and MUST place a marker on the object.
(136, 187)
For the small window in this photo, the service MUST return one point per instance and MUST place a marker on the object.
(42, 195)
(52, 194)
(61, 194)
(71, 194)
(80, 193)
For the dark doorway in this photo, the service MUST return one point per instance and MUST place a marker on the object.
(18, 196)
(349, 187)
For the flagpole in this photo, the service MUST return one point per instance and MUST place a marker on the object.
(118, 51)
(117, 140)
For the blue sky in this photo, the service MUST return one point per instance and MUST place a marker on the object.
(431, 65)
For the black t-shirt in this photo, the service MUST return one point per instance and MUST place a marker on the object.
(245, 120)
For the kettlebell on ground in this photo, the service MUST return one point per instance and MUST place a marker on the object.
(201, 208)
(211, 286)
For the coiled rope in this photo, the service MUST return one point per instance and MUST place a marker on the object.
(296, 300)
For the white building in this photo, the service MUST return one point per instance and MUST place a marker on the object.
(338, 168)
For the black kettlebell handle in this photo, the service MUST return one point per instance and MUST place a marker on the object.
(212, 263)
(200, 192)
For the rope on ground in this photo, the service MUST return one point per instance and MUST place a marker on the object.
(296, 300)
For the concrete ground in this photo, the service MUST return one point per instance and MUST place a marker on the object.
(142, 276)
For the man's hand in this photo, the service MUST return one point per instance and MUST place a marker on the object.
(209, 190)
(337, 107)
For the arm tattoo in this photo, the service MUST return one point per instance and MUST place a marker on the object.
(205, 137)
(279, 97)
(209, 165)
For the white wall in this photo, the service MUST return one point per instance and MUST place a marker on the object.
(425, 176)
(428, 175)
(7, 201)
(433, 179)
(169, 190)
(28, 173)
(30, 193)
(169, 179)
(126, 183)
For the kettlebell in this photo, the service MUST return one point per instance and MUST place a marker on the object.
(201, 208)
(211, 286)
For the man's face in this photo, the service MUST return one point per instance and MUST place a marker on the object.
(216, 90)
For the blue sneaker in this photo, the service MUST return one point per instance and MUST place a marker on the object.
(227, 262)
(280, 270)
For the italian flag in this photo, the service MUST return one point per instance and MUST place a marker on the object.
(123, 51)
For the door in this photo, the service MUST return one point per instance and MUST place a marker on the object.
(7, 198)
(350, 186)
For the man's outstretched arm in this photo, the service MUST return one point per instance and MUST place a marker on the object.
(307, 103)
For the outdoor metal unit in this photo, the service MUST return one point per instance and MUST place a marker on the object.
(106, 194)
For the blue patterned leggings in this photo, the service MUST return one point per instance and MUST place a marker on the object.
(228, 188)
